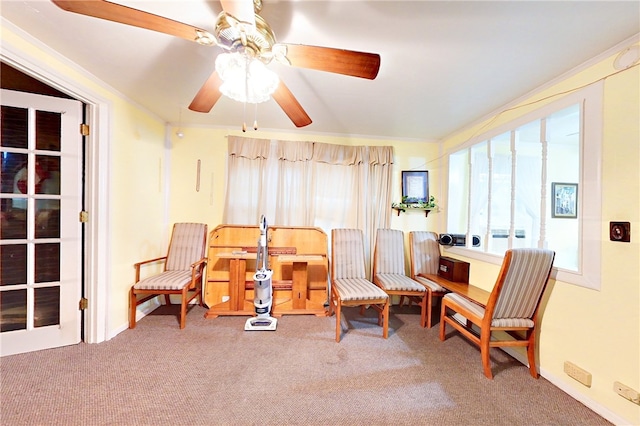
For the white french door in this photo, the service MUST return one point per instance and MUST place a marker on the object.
(40, 232)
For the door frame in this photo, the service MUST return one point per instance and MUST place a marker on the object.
(97, 274)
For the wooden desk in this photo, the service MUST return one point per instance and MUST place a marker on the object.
(468, 291)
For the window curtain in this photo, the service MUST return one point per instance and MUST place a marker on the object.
(309, 184)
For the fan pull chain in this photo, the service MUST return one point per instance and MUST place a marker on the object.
(255, 118)
(244, 116)
(246, 92)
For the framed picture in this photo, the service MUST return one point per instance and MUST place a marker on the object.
(564, 200)
(415, 187)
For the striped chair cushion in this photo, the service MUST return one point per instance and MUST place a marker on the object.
(186, 246)
(358, 289)
(398, 282)
(524, 282)
(168, 280)
(478, 311)
(430, 284)
(426, 252)
(389, 252)
(348, 253)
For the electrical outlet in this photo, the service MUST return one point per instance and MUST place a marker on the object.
(577, 373)
(626, 392)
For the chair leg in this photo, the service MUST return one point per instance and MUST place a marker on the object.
(167, 299)
(429, 307)
(132, 309)
(200, 298)
(385, 319)
(423, 311)
(183, 308)
(531, 354)
(485, 337)
(443, 315)
(338, 309)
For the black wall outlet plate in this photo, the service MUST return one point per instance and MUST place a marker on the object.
(620, 231)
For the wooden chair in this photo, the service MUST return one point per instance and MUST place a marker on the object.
(184, 266)
(424, 256)
(349, 285)
(512, 306)
(389, 270)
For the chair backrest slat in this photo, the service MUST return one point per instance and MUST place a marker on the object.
(347, 254)
(187, 245)
(524, 282)
(425, 252)
(389, 252)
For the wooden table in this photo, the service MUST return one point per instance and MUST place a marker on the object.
(229, 286)
(468, 291)
(237, 273)
(237, 303)
(300, 282)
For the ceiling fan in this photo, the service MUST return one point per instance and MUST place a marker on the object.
(239, 29)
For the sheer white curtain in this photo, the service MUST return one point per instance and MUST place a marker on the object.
(309, 184)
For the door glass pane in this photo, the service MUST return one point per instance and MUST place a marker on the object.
(14, 174)
(47, 262)
(47, 306)
(13, 264)
(14, 127)
(14, 221)
(47, 219)
(48, 125)
(47, 175)
(13, 310)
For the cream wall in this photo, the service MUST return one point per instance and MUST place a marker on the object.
(138, 227)
(597, 330)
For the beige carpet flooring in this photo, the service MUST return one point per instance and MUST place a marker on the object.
(214, 373)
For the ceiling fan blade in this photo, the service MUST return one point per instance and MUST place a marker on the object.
(242, 10)
(208, 94)
(291, 106)
(340, 61)
(137, 18)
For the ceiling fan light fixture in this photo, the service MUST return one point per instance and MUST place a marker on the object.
(245, 79)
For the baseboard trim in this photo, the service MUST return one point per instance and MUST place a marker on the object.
(596, 407)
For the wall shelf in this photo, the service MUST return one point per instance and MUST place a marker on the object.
(404, 209)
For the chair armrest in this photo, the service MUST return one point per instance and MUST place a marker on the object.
(199, 262)
(197, 268)
(144, 262)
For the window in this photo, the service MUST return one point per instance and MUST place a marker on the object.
(501, 187)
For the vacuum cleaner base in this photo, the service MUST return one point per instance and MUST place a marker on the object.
(261, 324)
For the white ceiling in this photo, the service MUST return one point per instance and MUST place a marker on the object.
(444, 64)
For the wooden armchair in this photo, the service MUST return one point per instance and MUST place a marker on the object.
(389, 270)
(184, 266)
(512, 306)
(349, 285)
(424, 256)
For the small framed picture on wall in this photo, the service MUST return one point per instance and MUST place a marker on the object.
(415, 187)
(564, 200)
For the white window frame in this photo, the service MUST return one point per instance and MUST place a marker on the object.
(590, 189)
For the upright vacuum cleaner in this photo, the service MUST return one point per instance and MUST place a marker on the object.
(262, 289)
